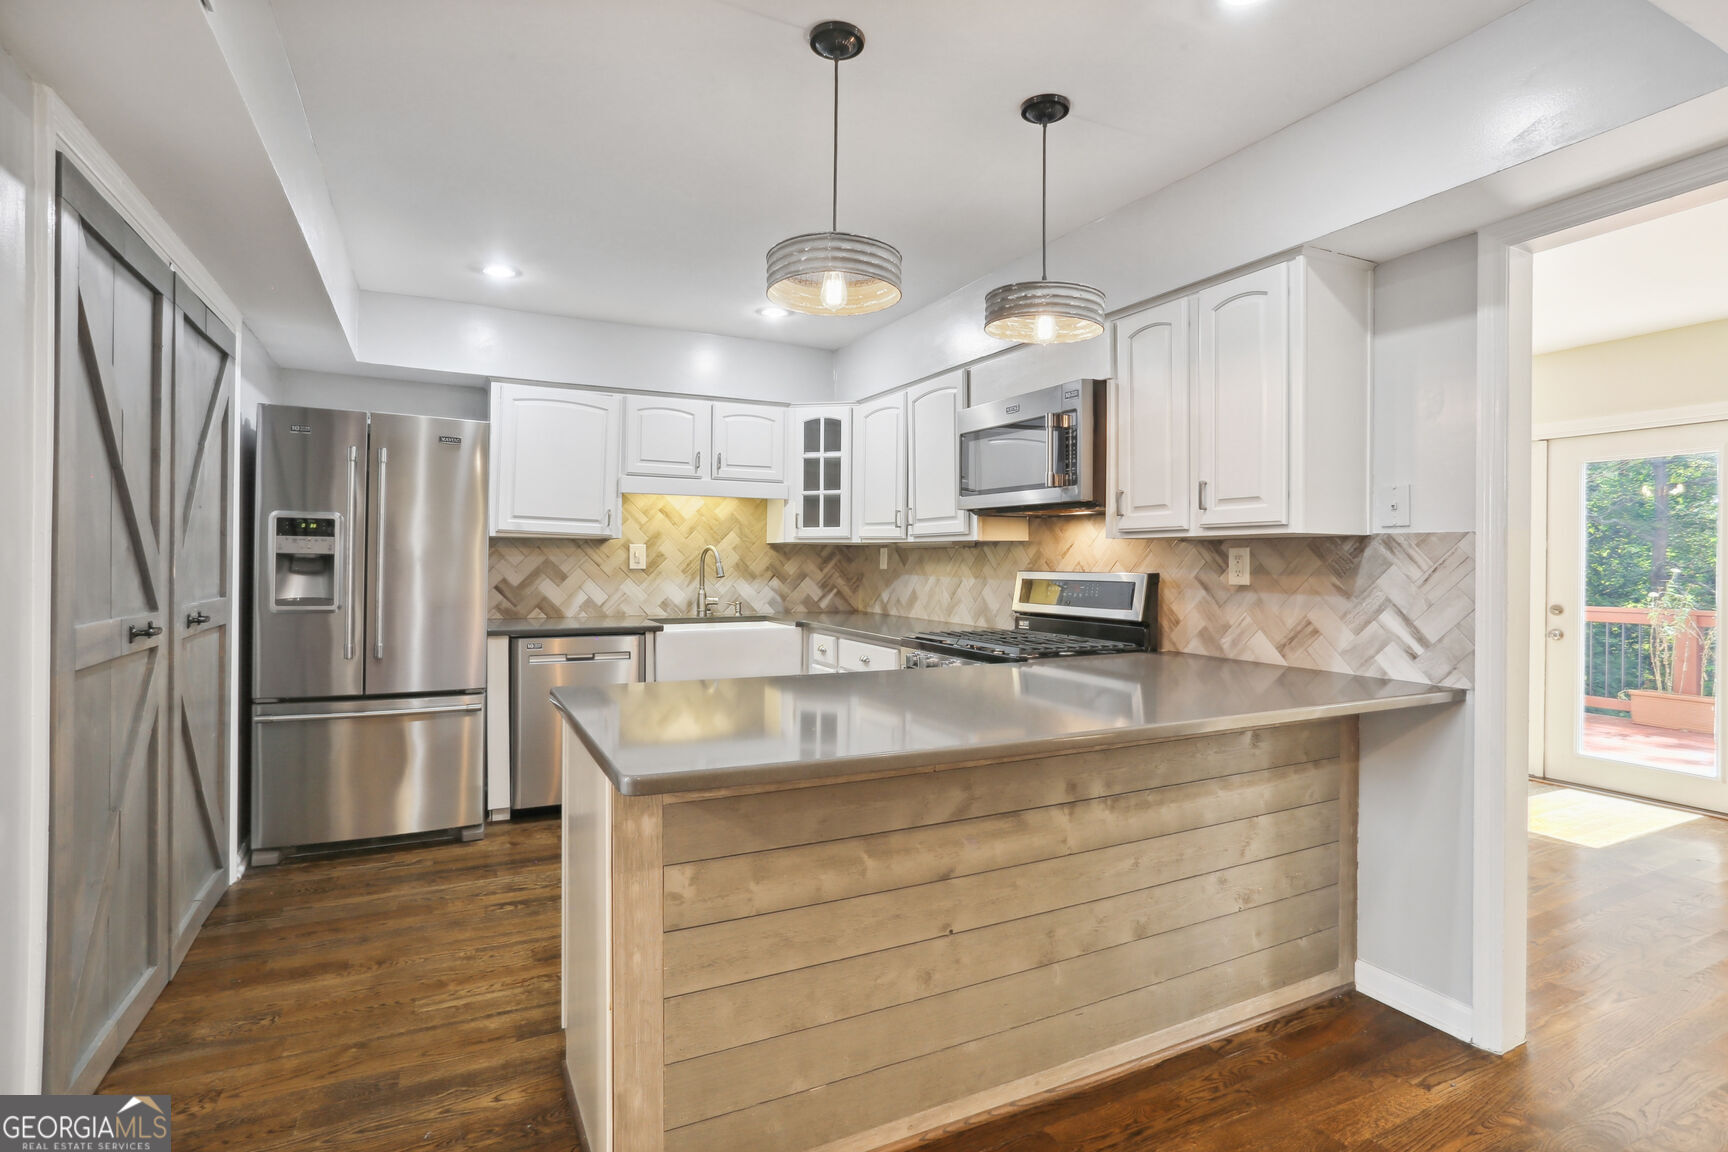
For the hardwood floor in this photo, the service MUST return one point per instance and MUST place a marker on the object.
(389, 1000)
(409, 999)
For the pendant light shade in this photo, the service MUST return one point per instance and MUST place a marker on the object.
(834, 273)
(1044, 311)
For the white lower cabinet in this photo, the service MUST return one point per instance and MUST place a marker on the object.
(1242, 409)
(554, 462)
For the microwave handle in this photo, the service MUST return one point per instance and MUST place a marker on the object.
(1050, 445)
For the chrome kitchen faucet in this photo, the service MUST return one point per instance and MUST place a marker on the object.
(706, 604)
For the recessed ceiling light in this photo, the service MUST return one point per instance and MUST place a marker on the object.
(500, 272)
(1240, 3)
(770, 312)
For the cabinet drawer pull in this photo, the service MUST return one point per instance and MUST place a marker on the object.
(135, 632)
(698, 461)
(1202, 495)
(193, 619)
(1119, 495)
(718, 456)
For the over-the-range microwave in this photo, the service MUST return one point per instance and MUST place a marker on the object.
(1040, 453)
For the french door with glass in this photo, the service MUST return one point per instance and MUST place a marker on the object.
(1634, 579)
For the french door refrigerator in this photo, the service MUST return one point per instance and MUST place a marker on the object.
(369, 616)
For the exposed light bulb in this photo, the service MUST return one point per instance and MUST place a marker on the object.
(833, 288)
(1044, 331)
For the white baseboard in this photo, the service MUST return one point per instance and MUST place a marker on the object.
(1412, 999)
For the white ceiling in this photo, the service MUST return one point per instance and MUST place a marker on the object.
(1658, 273)
(637, 159)
(147, 79)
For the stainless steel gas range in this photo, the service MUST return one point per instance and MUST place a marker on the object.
(1055, 614)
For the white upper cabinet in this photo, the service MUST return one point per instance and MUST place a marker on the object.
(666, 436)
(1242, 398)
(879, 468)
(1242, 409)
(681, 446)
(1149, 410)
(554, 463)
(820, 505)
(933, 458)
(749, 442)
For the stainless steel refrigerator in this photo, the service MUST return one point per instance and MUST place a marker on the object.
(369, 627)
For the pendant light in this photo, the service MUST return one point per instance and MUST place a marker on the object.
(834, 273)
(1044, 311)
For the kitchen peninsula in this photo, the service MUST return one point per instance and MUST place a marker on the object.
(833, 912)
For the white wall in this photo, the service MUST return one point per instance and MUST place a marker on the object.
(1415, 865)
(376, 394)
(446, 336)
(22, 466)
(1552, 73)
(1424, 385)
(1683, 371)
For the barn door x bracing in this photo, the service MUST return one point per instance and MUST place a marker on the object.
(138, 842)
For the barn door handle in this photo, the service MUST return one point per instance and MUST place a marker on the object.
(193, 619)
(135, 633)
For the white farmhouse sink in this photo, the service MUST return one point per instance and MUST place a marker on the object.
(727, 649)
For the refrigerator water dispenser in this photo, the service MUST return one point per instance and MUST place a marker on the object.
(305, 547)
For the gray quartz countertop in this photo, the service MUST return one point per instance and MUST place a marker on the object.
(696, 735)
(878, 626)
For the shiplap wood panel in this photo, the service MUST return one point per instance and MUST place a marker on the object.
(739, 1078)
(808, 1119)
(709, 891)
(638, 1003)
(778, 819)
(734, 950)
(739, 1014)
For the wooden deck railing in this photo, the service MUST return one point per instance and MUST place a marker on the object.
(1617, 655)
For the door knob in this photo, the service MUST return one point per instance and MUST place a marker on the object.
(1555, 634)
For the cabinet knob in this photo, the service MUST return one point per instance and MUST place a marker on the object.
(1555, 634)
(863, 660)
(1556, 610)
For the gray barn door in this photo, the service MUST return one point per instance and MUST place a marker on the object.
(203, 615)
(107, 932)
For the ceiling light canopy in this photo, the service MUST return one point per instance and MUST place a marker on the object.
(1044, 311)
(834, 273)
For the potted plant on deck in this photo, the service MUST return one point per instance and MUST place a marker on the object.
(1679, 656)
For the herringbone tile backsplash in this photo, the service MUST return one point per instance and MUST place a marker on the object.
(1398, 606)
(549, 578)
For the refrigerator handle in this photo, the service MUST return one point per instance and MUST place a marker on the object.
(378, 607)
(353, 519)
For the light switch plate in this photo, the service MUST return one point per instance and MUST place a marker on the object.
(1392, 505)
(638, 557)
(1239, 571)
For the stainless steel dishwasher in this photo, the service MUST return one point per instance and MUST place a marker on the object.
(540, 664)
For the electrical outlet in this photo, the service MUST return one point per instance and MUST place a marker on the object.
(882, 559)
(638, 557)
(1238, 566)
(1392, 505)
